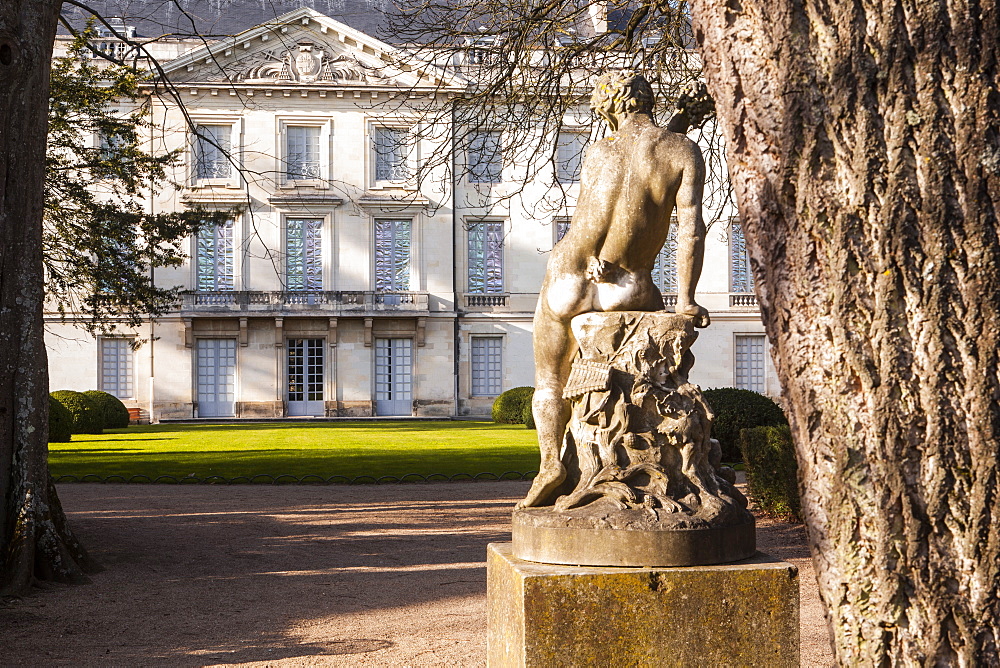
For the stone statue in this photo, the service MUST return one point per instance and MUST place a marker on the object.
(631, 183)
(637, 463)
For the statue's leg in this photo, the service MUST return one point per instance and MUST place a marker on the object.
(554, 350)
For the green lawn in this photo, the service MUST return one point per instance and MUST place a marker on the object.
(349, 449)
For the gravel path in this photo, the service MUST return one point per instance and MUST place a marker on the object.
(392, 575)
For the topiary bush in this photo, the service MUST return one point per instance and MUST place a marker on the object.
(509, 406)
(528, 418)
(736, 410)
(60, 422)
(114, 414)
(772, 472)
(87, 418)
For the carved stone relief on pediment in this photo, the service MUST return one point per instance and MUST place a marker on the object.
(306, 62)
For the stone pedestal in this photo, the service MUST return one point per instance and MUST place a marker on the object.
(744, 614)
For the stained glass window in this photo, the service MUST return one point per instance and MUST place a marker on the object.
(215, 258)
(117, 368)
(486, 257)
(665, 267)
(487, 366)
(392, 255)
(392, 149)
(741, 277)
(304, 253)
(485, 162)
(569, 156)
(749, 371)
(213, 145)
(302, 152)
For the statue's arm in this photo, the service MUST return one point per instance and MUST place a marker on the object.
(690, 233)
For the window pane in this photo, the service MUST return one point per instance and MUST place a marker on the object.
(304, 254)
(391, 152)
(749, 371)
(486, 257)
(215, 257)
(302, 154)
(562, 227)
(742, 277)
(569, 156)
(665, 267)
(116, 367)
(487, 365)
(484, 158)
(212, 151)
(392, 255)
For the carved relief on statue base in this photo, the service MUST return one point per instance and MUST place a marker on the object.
(644, 483)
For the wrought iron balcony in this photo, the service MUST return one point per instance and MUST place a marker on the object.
(293, 301)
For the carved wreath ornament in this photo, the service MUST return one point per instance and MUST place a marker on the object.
(306, 63)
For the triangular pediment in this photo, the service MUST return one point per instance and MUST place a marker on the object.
(302, 48)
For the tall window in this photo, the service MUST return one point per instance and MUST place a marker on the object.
(304, 253)
(486, 257)
(117, 368)
(749, 370)
(302, 152)
(392, 153)
(215, 258)
(485, 162)
(665, 267)
(741, 278)
(392, 255)
(487, 366)
(212, 150)
(569, 156)
(562, 227)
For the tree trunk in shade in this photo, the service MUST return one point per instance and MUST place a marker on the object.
(864, 146)
(35, 542)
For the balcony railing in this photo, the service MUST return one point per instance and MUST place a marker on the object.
(748, 301)
(339, 301)
(486, 302)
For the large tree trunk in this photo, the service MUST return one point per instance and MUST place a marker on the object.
(35, 542)
(864, 145)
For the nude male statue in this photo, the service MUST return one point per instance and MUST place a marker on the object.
(630, 184)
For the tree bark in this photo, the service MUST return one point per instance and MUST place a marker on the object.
(35, 542)
(864, 147)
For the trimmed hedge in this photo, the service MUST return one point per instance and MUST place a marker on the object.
(772, 472)
(87, 418)
(528, 417)
(60, 422)
(113, 411)
(509, 406)
(736, 410)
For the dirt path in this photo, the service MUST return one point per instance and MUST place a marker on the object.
(293, 575)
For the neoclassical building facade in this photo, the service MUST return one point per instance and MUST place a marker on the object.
(345, 285)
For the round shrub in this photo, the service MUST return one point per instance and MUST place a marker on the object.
(60, 422)
(772, 472)
(113, 411)
(509, 406)
(736, 410)
(528, 417)
(87, 418)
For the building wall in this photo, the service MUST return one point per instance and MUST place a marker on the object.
(444, 319)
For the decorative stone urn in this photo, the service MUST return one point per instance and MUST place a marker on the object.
(644, 483)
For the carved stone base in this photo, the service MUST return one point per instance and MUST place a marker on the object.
(545, 536)
(644, 485)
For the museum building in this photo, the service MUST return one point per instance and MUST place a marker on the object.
(344, 285)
